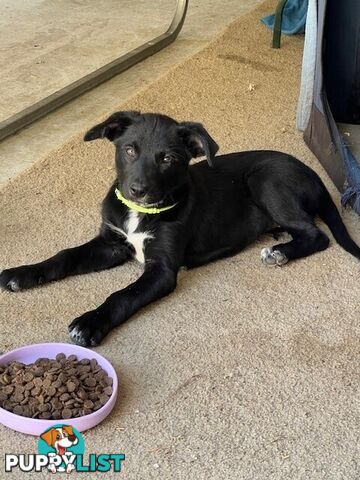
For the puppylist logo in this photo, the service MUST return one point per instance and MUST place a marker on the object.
(61, 450)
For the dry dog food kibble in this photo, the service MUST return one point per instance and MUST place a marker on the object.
(54, 389)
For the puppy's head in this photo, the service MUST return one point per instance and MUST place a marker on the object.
(153, 153)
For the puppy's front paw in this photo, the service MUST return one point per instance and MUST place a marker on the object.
(272, 257)
(90, 328)
(20, 278)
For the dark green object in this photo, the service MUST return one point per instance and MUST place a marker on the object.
(277, 23)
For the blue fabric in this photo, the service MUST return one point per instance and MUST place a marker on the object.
(352, 192)
(293, 19)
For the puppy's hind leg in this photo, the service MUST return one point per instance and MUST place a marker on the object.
(285, 206)
(307, 239)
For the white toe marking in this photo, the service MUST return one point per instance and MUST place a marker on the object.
(13, 284)
(74, 332)
(272, 258)
(280, 258)
(265, 252)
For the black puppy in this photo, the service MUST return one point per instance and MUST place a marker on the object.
(167, 215)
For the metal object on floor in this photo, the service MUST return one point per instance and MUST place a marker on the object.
(277, 23)
(39, 109)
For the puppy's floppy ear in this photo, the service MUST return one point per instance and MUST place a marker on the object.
(113, 127)
(68, 429)
(49, 436)
(198, 141)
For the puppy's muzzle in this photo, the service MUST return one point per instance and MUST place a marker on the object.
(138, 190)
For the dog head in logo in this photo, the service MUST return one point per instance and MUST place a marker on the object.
(60, 438)
(58, 443)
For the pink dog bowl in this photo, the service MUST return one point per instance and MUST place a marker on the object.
(36, 426)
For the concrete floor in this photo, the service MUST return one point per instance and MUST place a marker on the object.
(55, 46)
(45, 46)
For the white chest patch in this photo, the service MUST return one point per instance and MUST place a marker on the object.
(136, 239)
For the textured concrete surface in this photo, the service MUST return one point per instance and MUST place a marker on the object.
(244, 372)
(53, 45)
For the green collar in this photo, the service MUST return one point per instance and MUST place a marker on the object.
(140, 208)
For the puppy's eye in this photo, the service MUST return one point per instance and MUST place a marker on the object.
(167, 159)
(130, 151)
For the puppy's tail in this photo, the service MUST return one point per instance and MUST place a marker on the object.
(329, 213)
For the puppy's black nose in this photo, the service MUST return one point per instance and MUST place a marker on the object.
(137, 190)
